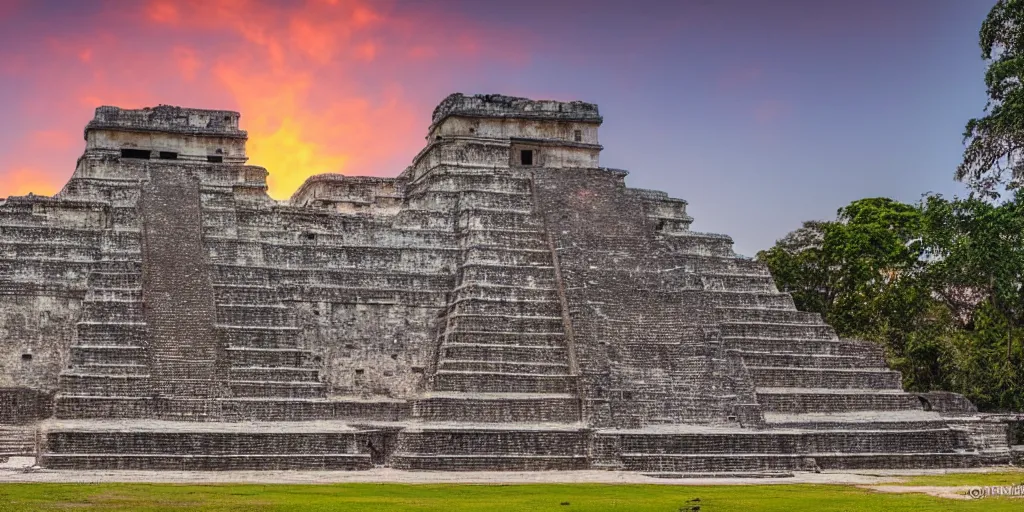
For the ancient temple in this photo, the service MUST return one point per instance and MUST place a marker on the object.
(505, 303)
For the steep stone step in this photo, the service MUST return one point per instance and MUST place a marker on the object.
(111, 333)
(484, 218)
(527, 239)
(772, 316)
(553, 339)
(314, 409)
(491, 382)
(43, 250)
(115, 281)
(275, 374)
(245, 294)
(497, 408)
(756, 358)
(513, 293)
(766, 300)
(505, 307)
(95, 384)
(70, 406)
(107, 354)
(545, 368)
(740, 283)
(113, 368)
(273, 409)
(410, 218)
(16, 231)
(701, 244)
(254, 315)
(792, 346)
(258, 336)
(17, 441)
(281, 389)
(112, 311)
(521, 353)
(506, 323)
(507, 275)
(857, 420)
(270, 357)
(799, 331)
(113, 295)
(774, 376)
(495, 200)
(502, 183)
(37, 270)
(807, 400)
(508, 256)
(705, 264)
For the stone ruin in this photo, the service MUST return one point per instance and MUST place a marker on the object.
(505, 303)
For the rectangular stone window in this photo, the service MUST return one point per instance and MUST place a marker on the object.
(142, 154)
(526, 157)
(577, 135)
(215, 159)
(168, 155)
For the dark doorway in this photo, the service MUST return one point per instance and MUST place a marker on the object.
(135, 153)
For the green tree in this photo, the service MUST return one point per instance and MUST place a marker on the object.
(995, 142)
(849, 270)
(939, 284)
(802, 268)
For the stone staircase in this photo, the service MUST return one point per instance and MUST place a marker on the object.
(109, 375)
(827, 404)
(262, 345)
(504, 344)
(268, 370)
(503, 355)
(17, 441)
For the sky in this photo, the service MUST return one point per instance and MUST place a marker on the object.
(760, 114)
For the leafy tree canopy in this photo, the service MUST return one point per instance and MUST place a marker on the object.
(995, 142)
(939, 284)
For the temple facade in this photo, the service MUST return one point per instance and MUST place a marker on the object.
(505, 303)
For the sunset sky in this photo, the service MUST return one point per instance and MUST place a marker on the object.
(760, 113)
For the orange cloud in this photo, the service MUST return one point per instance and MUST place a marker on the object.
(22, 181)
(163, 11)
(321, 84)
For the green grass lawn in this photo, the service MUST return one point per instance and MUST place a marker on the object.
(1001, 478)
(386, 497)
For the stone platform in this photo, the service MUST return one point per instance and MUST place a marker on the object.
(191, 446)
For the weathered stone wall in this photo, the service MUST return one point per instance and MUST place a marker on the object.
(36, 330)
(23, 406)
